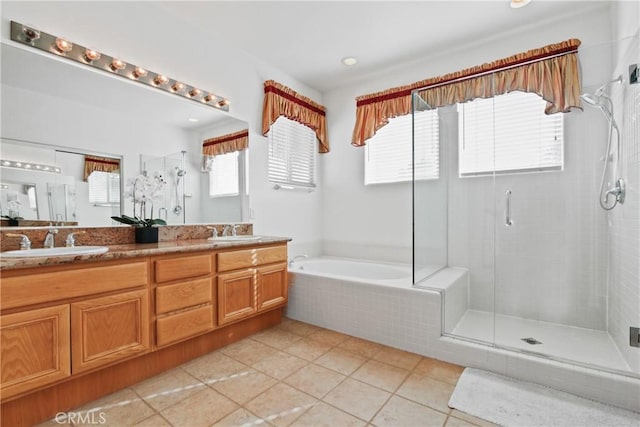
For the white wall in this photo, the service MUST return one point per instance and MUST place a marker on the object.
(145, 34)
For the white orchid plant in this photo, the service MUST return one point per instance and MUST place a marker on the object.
(143, 190)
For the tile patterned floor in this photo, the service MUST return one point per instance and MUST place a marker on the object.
(293, 374)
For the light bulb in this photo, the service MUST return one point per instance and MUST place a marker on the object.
(177, 87)
(516, 4)
(30, 34)
(139, 72)
(160, 80)
(194, 92)
(117, 65)
(63, 46)
(209, 98)
(91, 55)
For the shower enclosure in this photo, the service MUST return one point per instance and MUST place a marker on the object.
(553, 265)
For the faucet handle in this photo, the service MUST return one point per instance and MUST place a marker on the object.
(25, 243)
(214, 231)
(71, 240)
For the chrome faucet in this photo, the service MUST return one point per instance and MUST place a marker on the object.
(296, 258)
(71, 239)
(25, 243)
(230, 230)
(50, 240)
(214, 231)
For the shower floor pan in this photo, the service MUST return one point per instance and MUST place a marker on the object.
(586, 346)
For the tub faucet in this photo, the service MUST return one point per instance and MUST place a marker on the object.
(50, 240)
(297, 257)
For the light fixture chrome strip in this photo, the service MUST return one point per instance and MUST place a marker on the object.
(58, 46)
(30, 166)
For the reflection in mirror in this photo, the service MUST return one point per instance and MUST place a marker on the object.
(45, 184)
(200, 188)
(60, 104)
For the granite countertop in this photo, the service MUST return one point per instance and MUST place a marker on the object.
(136, 250)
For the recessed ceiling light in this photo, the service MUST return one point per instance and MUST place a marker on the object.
(516, 4)
(193, 119)
(349, 61)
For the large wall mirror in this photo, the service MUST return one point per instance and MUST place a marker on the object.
(56, 113)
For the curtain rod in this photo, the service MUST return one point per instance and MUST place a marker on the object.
(484, 73)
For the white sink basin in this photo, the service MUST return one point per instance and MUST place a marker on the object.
(51, 252)
(234, 238)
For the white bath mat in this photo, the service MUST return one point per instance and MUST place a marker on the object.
(510, 402)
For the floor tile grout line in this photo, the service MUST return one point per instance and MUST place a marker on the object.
(331, 345)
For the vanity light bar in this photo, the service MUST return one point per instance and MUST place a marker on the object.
(90, 57)
(30, 166)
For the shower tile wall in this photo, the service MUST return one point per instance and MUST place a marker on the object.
(624, 226)
(551, 264)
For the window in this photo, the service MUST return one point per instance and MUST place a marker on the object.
(104, 188)
(223, 175)
(388, 153)
(292, 154)
(508, 133)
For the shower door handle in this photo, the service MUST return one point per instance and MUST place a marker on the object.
(508, 220)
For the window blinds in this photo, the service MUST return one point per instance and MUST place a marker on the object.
(104, 187)
(508, 133)
(388, 155)
(291, 154)
(223, 175)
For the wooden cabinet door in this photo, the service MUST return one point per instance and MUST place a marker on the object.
(272, 286)
(236, 296)
(108, 329)
(34, 349)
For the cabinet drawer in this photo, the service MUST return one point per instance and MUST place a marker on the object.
(251, 257)
(170, 269)
(45, 287)
(182, 295)
(183, 325)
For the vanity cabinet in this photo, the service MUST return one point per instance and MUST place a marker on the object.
(108, 329)
(251, 281)
(184, 297)
(35, 349)
(63, 320)
(73, 332)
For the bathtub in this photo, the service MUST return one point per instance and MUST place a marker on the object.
(355, 270)
(372, 300)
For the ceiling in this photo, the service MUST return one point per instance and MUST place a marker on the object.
(307, 39)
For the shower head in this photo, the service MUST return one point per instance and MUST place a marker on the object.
(592, 99)
(601, 89)
(180, 172)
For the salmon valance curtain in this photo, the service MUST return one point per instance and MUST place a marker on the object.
(228, 143)
(100, 164)
(280, 100)
(551, 72)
